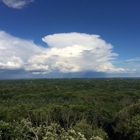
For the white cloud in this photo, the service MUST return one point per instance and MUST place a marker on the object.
(67, 52)
(13, 62)
(17, 4)
(15, 52)
(80, 52)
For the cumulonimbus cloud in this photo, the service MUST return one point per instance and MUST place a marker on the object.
(17, 4)
(66, 52)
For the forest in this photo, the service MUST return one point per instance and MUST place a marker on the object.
(70, 109)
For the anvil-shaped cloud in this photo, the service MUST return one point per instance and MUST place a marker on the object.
(65, 53)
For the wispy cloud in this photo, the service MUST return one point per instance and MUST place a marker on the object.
(133, 59)
(17, 4)
(134, 63)
(66, 53)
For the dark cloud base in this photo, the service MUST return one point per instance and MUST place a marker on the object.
(16, 74)
(21, 74)
(78, 75)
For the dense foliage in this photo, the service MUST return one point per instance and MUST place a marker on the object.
(73, 109)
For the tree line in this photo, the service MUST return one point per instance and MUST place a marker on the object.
(92, 109)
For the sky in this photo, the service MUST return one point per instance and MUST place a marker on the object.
(69, 38)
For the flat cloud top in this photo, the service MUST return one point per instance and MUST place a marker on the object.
(17, 4)
(66, 52)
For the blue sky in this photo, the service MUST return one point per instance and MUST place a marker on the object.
(69, 38)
